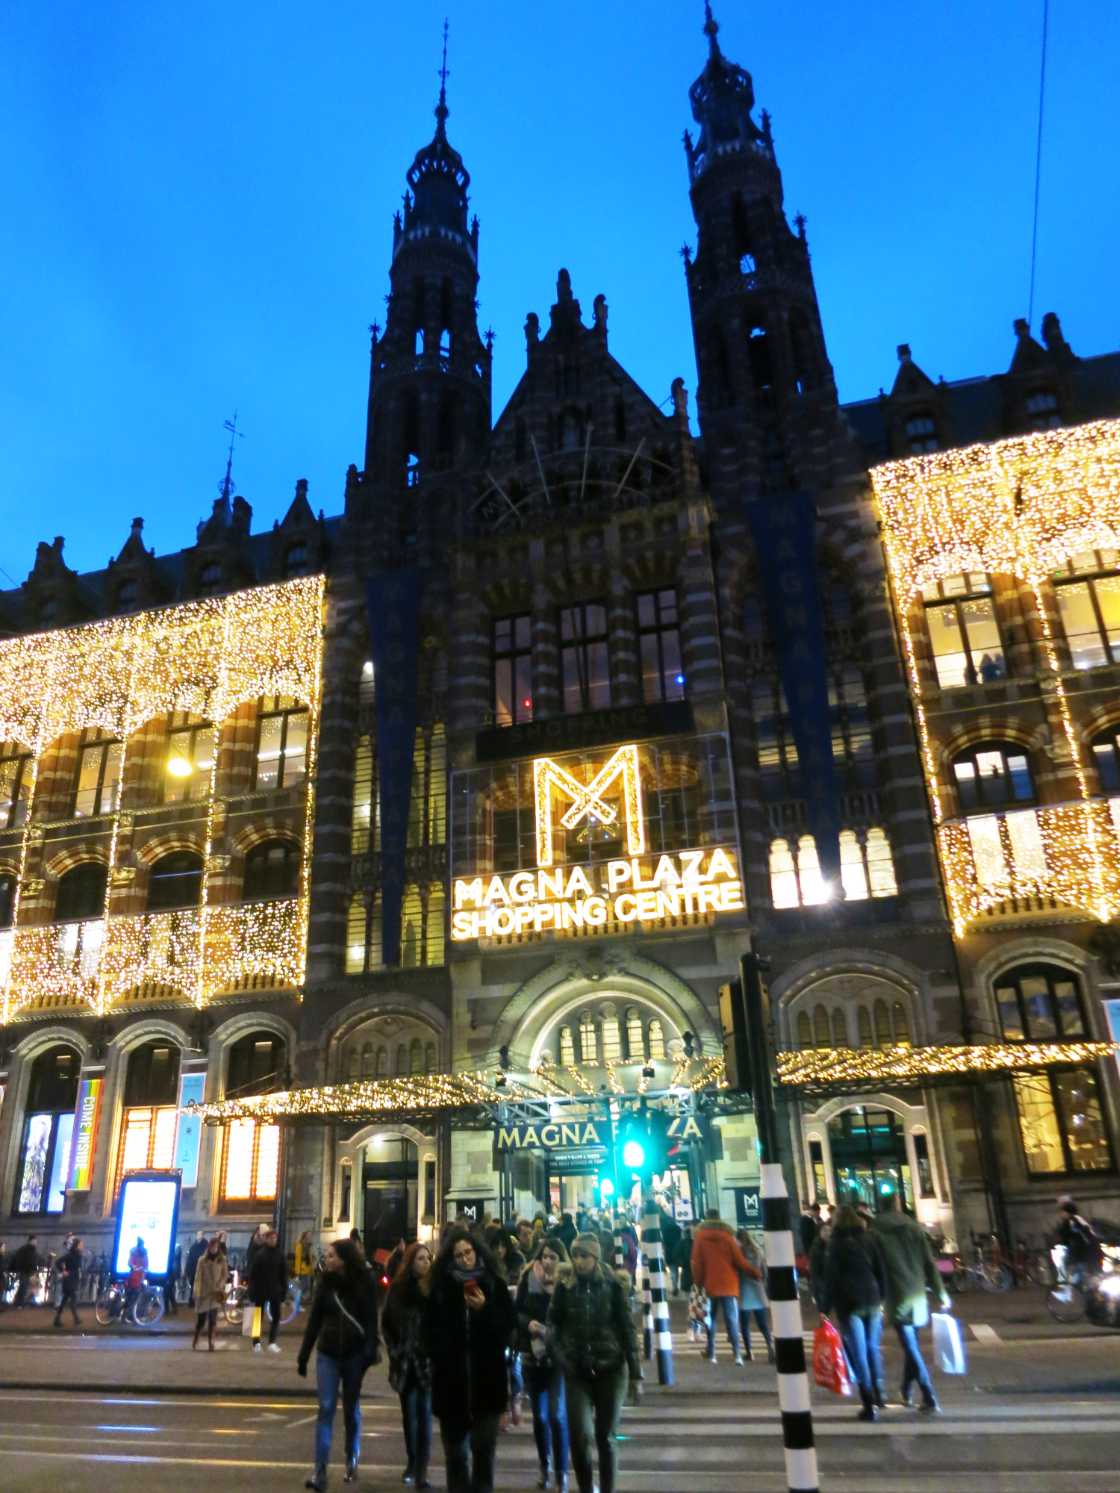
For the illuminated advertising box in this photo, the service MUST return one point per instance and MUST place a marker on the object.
(633, 816)
(148, 1213)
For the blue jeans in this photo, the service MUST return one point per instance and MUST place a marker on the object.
(730, 1307)
(762, 1317)
(416, 1418)
(468, 1452)
(550, 1417)
(331, 1374)
(914, 1370)
(863, 1335)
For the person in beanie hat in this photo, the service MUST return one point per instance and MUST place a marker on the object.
(592, 1335)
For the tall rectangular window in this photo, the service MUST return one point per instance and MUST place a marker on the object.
(15, 784)
(963, 632)
(1061, 1122)
(98, 781)
(585, 666)
(190, 760)
(281, 759)
(659, 639)
(1090, 607)
(250, 1162)
(512, 662)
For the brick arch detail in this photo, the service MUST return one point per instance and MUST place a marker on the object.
(994, 728)
(70, 856)
(44, 1038)
(260, 831)
(166, 842)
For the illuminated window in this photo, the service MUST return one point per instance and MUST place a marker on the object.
(15, 784)
(822, 1036)
(1042, 410)
(921, 434)
(150, 1114)
(1061, 1122)
(1090, 607)
(81, 892)
(656, 1038)
(427, 809)
(853, 872)
(1040, 1003)
(612, 1040)
(364, 830)
(777, 751)
(635, 1035)
(175, 881)
(251, 1150)
(784, 890)
(813, 888)
(47, 1131)
(97, 784)
(281, 757)
(585, 666)
(512, 665)
(851, 726)
(271, 870)
(659, 639)
(422, 926)
(188, 769)
(992, 774)
(963, 631)
(866, 865)
(567, 1047)
(363, 933)
(588, 1039)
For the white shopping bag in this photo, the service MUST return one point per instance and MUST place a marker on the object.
(948, 1344)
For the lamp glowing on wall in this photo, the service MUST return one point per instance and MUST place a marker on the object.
(179, 766)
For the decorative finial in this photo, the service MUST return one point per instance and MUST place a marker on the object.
(225, 487)
(441, 108)
(711, 28)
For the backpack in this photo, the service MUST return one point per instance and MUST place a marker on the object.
(1084, 1245)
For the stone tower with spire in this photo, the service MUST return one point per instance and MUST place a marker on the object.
(429, 389)
(767, 396)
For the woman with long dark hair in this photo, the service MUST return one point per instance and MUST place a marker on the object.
(343, 1327)
(543, 1376)
(410, 1371)
(468, 1329)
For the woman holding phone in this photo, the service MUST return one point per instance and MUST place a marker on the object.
(468, 1328)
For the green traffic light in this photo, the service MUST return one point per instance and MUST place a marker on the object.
(634, 1154)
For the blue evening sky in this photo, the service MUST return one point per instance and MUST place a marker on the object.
(198, 207)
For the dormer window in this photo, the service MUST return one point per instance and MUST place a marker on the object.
(921, 434)
(48, 610)
(1042, 410)
(128, 594)
(210, 579)
(296, 560)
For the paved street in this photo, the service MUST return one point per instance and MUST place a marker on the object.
(1038, 1410)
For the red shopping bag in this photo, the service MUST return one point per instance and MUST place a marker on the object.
(830, 1366)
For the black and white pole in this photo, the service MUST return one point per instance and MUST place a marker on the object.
(647, 1303)
(654, 1249)
(785, 1305)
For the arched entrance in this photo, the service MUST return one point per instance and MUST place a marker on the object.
(870, 1164)
(390, 1180)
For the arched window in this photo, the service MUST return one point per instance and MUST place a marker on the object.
(175, 880)
(839, 1029)
(415, 1055)
(656, 1038)
(430, 1059)
(901, 1022)
(864, 1024)
(151, 1109)
(853, 873)
(81, 892)
(368, 1061)
(7, 899)
(351, 1067)
(635, 1035)
(567, 1047)
(963, 630)
(1087, 590)
(15, 784)
(363, 933)
(882, 1024)
(48, 1128)
(402, 1060)
(612, 1040)
(97, 780)
(804, 1031)
(251, 1153)
(813, 889)
(820, 1027)
(382, 1062)
(880, 865)
(784, 890)
(588, 1039)
(271, 870)
(992, 775)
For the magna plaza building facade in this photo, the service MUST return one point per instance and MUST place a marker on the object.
(501, 769)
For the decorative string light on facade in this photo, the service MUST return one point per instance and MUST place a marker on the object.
(905, 1064)
(1019, 507)
(425, 1093)
(204, 657)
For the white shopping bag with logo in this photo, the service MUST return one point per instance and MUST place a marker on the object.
(948, 1344)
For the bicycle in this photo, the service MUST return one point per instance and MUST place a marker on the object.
(237, 1300)
(986, 1271)
(116, 1303)
(1065, 1298)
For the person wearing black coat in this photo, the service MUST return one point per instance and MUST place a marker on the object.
(853, 1287)
(268, 1286)
(410, 1372)
(468, 1330)
(70, 1273)
(25, 1263)
(342, 1326)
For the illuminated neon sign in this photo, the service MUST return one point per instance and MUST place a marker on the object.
(636, 888)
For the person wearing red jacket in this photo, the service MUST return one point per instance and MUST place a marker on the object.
(717, 1264)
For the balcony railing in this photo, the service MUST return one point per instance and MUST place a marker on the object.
(1064, 856)
(190, 955)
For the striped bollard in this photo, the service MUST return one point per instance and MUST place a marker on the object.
(789, 1344)
(619, 1252)
(654, 1250)
(647, 1303)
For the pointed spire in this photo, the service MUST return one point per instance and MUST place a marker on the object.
(442, 110)
(711, 30)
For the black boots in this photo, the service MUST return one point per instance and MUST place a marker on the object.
(351, 1472)
(869, 1412)
(317, 1482)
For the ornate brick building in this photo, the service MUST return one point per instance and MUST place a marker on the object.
(503, 768)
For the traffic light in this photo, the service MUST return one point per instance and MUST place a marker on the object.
(657, 1141)
(632, 1144)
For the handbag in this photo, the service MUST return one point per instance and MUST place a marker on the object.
(948, 1344)
(830, 1364)
(251, 1321)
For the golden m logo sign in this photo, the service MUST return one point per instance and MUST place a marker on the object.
(588, 801)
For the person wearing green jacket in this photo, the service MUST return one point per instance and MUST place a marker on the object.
(911, 1277)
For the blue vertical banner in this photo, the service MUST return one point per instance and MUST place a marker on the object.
(188, 1137)
(393, 601)
(784, 532)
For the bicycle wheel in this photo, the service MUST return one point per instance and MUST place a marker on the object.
(106, 1306)
(147, 1309)
(1065, 1303)
(996, 1278)
(235, 1307)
